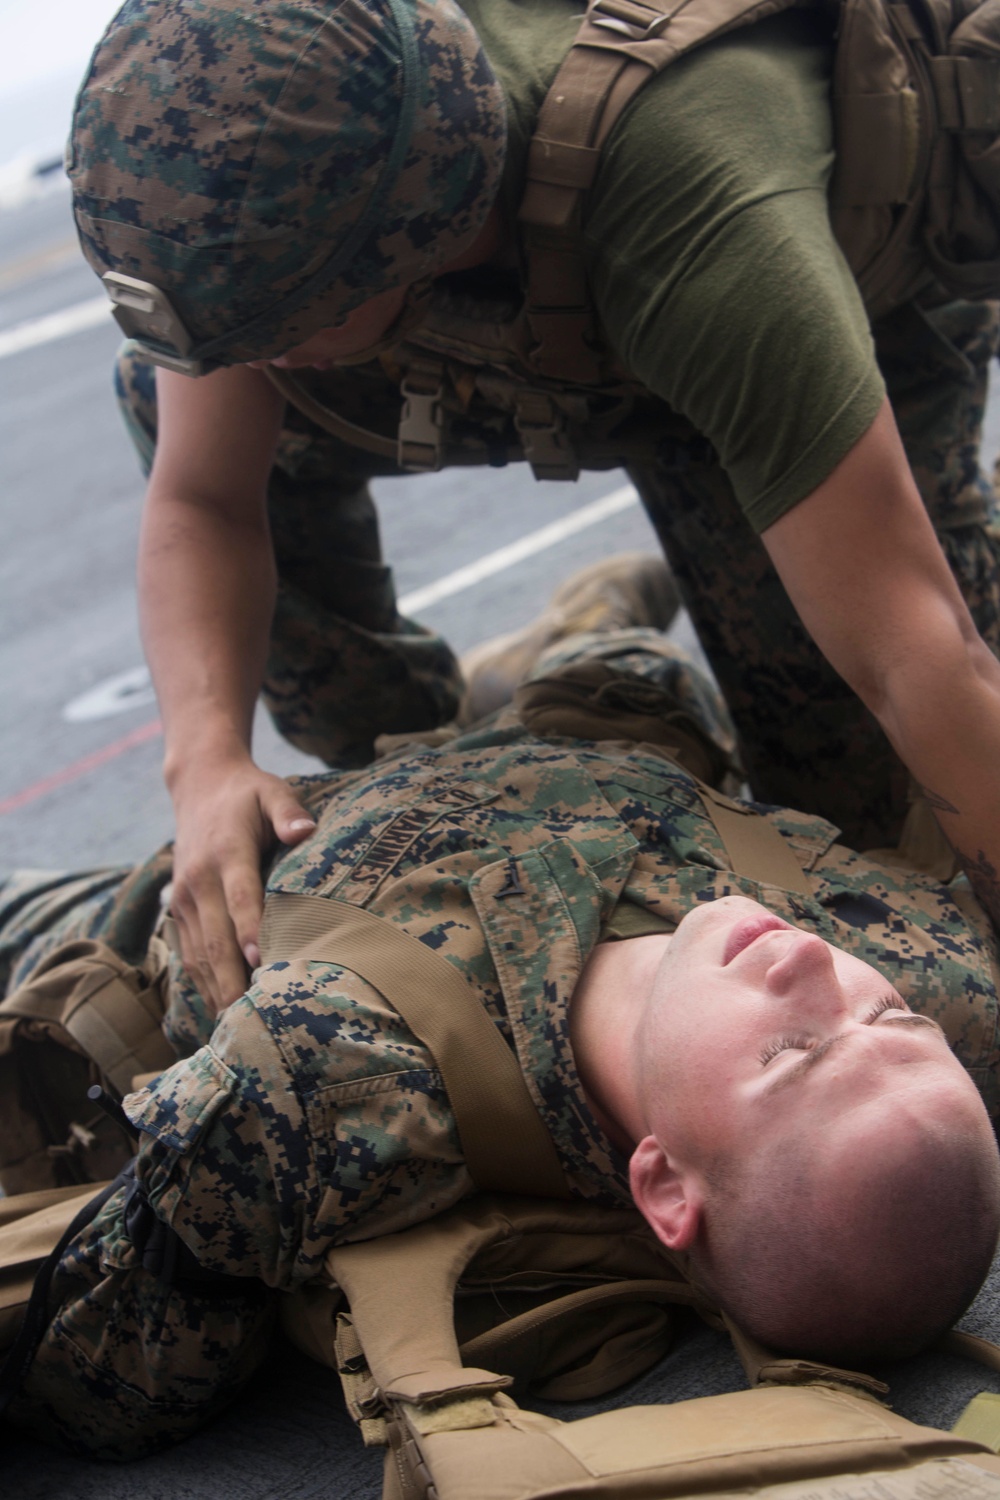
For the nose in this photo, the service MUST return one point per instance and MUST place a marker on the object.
(804, 968)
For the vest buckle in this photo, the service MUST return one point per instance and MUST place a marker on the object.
(637, 21)
(420, 440)
(541, 426)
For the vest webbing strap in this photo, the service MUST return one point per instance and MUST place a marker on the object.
(620, 45)
(756, 849)
(330, 421)
(506, 1145)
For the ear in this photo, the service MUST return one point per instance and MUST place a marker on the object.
(668, 1196)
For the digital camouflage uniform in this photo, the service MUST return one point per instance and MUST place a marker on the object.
(230, 217)
(310, 1115)
(343, 667)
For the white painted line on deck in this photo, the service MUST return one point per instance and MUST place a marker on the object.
(57, 325)
(515, 552)
(133, 689)
(115, 695)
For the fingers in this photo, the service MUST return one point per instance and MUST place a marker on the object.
(223, 824)
(244, 893)
(287, 816)
(210, 943)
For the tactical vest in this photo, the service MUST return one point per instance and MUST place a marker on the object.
(914, 203)
(411, 1357)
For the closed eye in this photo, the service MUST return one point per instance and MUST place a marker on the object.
(898, 1013)
(784, 1044)
(890, 1001)
(887, 1002)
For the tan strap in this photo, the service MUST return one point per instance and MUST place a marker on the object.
(980, 1421)
(417, 456)
(328, 420)
(756, 848)
(401, 1291)
(31, 1225)
(506, 1145)
(620, 45)
(635, 1332)
(361, 1394)
(27, 1238)
(971, 1346)
(763, 1367)
(562, 162)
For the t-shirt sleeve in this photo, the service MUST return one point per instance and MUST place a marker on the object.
(715, 270)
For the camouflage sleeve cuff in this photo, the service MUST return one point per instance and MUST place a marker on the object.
(313, 1117)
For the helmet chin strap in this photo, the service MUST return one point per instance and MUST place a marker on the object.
(413, 312)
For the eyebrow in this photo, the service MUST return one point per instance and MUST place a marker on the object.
(816, 1054)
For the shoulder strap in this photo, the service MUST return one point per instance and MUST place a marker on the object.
(971, 1346)
(506, 1144)
(620, 46)
(329, 421)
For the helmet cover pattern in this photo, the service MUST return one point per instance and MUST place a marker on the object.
(272, 164)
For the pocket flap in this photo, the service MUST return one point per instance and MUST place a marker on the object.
(180, 1103)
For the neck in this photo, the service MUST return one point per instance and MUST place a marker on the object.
(607, 1009)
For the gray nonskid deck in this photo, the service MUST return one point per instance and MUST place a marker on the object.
(289, 1436)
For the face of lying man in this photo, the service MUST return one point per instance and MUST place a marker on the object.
(754, 1029)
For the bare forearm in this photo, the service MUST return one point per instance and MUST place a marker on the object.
(864, 569)
(943, 717)
(206, 587)
(934, 687)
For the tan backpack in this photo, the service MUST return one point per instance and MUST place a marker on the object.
(86, 1017)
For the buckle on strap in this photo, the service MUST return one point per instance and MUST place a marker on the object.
(541, 426)
(420, 440)
(632, 18)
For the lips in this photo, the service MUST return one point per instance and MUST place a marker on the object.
(748, 931)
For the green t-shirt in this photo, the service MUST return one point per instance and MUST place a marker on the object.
(713, 265)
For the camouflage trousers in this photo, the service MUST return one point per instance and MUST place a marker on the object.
(343, 667)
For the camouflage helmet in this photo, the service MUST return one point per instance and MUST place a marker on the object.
(269, 165)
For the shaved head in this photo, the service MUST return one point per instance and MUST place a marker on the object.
(811, 1143)
(828, 1250)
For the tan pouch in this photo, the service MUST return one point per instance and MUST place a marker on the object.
(85, 1016)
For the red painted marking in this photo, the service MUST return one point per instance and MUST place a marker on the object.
(80, 767)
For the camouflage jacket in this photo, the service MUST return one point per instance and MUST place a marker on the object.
(311, 1116)
(316, 1114)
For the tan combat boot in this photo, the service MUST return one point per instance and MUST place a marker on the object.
(631, 589)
